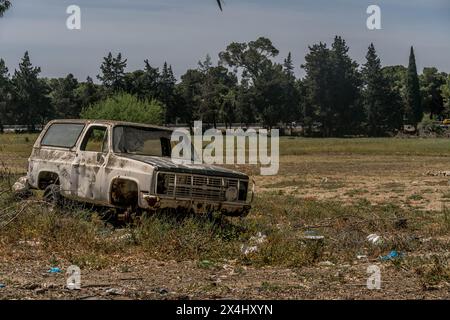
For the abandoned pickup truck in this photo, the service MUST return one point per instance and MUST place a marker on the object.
(128, 166)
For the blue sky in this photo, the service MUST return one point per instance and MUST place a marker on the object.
(183, 31)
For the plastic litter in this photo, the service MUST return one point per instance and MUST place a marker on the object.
(254, 241)
(2, 286)
(326, 263)
(259, 238)
(115, 291)
(54, 270)
(21, 188)
(312, 235)
(248, 249)
(392, 256)
(375, 239)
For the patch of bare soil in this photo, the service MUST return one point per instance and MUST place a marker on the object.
(418, 182)
(151, 279)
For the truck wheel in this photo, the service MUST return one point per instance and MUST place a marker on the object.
(52, 194)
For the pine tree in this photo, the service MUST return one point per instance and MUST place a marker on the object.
(166, 92)
(113, 72)
(65, 99)
(148, 85)
(345, 85)
(381, 102)
(189, 90)
(317, 87)
(31, 103)
(413, 108)
(216, 85)
(288, 66)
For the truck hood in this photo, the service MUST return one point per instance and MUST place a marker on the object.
(166, 164)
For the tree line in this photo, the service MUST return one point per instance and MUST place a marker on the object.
(335, 97)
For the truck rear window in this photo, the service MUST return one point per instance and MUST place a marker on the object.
(63, 135)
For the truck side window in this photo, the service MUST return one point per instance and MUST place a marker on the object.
(96, 140)
(62, 135)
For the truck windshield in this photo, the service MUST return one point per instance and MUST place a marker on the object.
(142, 141)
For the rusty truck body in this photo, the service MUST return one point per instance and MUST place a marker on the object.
(128, 165)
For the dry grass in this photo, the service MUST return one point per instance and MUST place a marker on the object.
(286, 211)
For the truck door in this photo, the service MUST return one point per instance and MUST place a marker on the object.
(92, 158)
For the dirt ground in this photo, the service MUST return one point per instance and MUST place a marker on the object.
(412, 182)
(152, 279)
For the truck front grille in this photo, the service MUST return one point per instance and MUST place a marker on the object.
(197, 187)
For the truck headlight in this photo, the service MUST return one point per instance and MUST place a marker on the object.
(231, 194)
(162, 183)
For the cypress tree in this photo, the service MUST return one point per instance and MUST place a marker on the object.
(414, 110)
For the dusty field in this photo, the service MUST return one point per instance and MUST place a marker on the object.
(340, 189)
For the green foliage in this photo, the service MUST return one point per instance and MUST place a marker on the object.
(445, 88)
(381, 101)
(431, 83)
(64, 97)
(268, 87)
(126, 107)
(31, 104)
(413, 107)
(166, 93)
(113, 72)
(248, 85)
(332, 85)
(88, 93)
(189, 91)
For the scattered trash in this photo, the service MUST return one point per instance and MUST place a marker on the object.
(248, 249)
(392, 256)
(30, 243)
(54, 270)
(259, 238)
(312, 235)
(361, 256)
(375, 239)
(21, 188)
(115, 291)
(254, 241)
(2, 286)
(326, 263)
